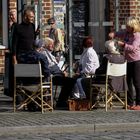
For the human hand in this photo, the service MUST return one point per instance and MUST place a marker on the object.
(65, 73)
(14, 60)
(37, 30)
(75, 75)
(120, 43)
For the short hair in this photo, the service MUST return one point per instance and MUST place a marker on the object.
(47, 41)
(12, 11)
(89, 39)
(50, 20)
(28, 10)
(133, 22)
(38, 43)
(111, 47)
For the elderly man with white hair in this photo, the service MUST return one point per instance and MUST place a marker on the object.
(60, 77)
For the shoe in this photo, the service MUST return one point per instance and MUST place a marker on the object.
(76, 95)
(130, 107)
(137, 107)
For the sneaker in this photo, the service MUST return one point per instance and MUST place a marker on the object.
(76, 95)
(130, 107)
(137, 107)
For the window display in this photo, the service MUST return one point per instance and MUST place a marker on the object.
(79, 27)
(59, 11)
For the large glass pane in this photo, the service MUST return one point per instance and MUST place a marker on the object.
(0, 22)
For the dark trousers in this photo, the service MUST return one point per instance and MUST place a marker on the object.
(133, 77)
(86, 86)
(9, 75)
(67, 84)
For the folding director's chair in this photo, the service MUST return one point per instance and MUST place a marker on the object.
(105, 88)
(28, 83)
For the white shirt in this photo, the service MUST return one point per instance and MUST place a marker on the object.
(89, 61)
(51, 59)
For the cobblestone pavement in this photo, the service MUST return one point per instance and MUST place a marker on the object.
(118, 135)
(70, 125)
(116, 124)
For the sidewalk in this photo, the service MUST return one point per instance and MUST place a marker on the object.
(64, 121)
(69, 121)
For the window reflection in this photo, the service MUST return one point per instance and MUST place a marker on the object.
(0, 22)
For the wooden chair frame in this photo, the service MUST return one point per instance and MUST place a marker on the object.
(115, 70)
(38, 92)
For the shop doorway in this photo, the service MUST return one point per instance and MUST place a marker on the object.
(99, 23)
(3, 24)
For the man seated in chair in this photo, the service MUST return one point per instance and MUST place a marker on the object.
(60, 77)
(34, 57)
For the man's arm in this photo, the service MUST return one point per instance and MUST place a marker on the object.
(14, 45)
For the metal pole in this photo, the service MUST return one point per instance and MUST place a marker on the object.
(70, 39)
(117, 15)
(40, 17)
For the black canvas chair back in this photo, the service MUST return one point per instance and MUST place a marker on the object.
(29, 85)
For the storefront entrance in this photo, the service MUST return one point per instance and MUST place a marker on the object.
(3, 24)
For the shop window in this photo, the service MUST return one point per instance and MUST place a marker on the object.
(59, 11)
(1, 22)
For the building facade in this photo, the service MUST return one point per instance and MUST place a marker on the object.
(100, 16)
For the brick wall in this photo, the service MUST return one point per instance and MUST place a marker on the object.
(126, 8)
(12, 4)
(47, 12)
(2, 61)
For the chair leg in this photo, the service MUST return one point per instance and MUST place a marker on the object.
(125, 100)
(14, 101)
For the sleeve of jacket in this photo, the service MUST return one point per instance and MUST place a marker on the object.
(14, 40)
(44, 64)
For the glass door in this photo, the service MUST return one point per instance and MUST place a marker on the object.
(3, 24)
(99, 23)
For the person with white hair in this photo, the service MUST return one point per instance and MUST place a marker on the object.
(12, 24)
(12, 16)
(111, 45)
(60, 77)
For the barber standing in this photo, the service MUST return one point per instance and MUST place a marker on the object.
(23, 36)
(132, 54)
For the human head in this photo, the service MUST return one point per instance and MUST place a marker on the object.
(13, 15)
(28, 15)
(49, 43)
(111, 35)
(51, 22)
(38, 44)
(111, 47)
(87, 42)
(133, 24)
